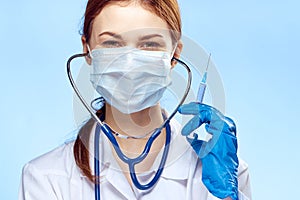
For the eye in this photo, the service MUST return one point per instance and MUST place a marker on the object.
(111, 44)
(151, 46)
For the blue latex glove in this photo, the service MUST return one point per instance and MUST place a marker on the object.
(218, 155)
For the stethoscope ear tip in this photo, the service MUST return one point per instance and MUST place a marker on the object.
(87, 54)
(174, 59)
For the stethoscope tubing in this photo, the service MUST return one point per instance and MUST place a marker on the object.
(73, 84)
(106, 130)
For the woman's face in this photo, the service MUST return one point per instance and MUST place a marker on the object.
(130, 25)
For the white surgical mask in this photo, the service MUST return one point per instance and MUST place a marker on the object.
(130, 79)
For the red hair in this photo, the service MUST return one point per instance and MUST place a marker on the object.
(168, 10)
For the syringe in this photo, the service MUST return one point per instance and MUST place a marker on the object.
(202, 86)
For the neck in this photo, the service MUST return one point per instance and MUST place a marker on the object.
(134, 124)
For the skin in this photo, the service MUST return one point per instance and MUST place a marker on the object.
(118, 26)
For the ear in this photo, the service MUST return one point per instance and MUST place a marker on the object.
(177, 53)
(85, 50)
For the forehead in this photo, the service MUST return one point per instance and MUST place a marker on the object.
(123, 19)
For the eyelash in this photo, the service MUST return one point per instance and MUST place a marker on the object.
(147, 45)
(111, 44)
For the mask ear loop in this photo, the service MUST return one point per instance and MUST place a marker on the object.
(174, 59)
(174, 49)
(89, 53)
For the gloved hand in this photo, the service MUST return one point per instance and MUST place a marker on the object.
(218, 155)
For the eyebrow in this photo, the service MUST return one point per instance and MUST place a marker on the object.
(147, 37)
(117, 36)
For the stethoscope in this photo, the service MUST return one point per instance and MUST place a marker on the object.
(131, 162)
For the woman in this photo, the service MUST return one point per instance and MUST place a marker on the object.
(116, 35)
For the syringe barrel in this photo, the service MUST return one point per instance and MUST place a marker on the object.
(201, 91)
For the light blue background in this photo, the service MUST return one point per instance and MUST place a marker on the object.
(255, 45)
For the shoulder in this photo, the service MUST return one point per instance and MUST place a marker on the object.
(60, 161)
(53, 175)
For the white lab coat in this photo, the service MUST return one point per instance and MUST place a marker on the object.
(55, 176)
